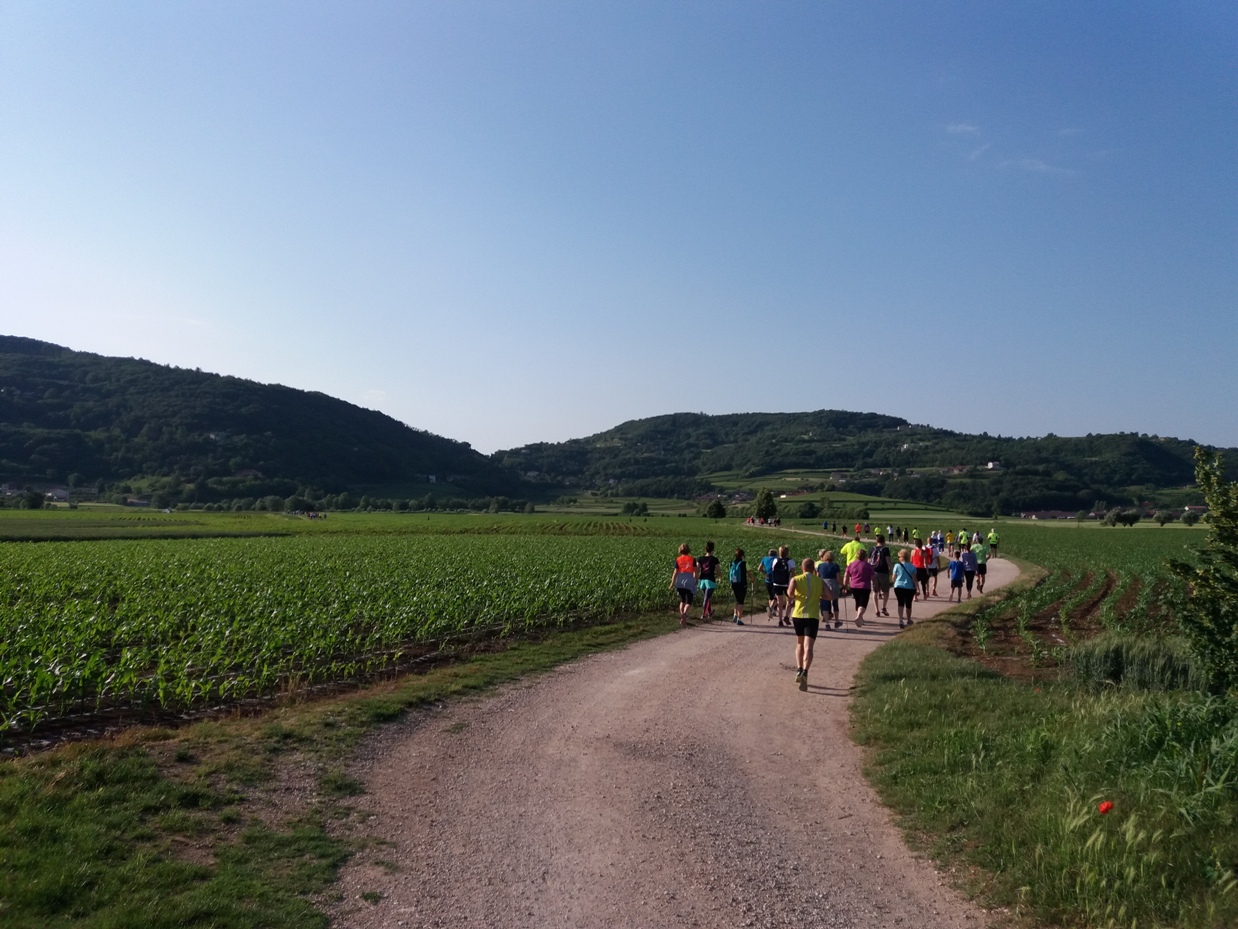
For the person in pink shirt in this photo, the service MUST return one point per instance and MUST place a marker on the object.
(859, 577)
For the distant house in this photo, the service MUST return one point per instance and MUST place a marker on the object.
(994, 466)
(57, 495)
(135, 501)
(1048, 514)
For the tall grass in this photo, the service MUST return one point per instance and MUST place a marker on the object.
(1142, 664)
(1010, 776)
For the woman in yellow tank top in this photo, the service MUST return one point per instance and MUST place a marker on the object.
(805, 592)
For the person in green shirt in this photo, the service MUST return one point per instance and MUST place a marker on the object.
(981, 551)
(993, 542)
(849, 550)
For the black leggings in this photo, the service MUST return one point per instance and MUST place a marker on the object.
(904, 596)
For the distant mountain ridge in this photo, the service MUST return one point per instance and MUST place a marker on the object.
(683, 454)
(69, 417)
(67, 414)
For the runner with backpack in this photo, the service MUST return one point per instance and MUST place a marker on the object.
(780, 578)
(880, 560)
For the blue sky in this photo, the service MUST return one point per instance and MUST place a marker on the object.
(511, 222)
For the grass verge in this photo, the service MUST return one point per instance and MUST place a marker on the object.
(1008, 779)
(225, 823)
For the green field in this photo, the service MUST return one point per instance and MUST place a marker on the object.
(995, 733)
(179, 623)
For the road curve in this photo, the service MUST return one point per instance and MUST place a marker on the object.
(683, 781)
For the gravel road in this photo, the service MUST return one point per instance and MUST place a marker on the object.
(683, 781)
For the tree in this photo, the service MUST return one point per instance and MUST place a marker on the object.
(1210, 618)
(715, 510)
(1190, 518)
(766, 508)
(1163, 516)
(809, 510)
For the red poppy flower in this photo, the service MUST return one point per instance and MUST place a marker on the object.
(1104, 807)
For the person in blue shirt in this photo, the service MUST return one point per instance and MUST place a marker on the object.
(956, 576)
(767, 565)
(904, 588)
(968, 557)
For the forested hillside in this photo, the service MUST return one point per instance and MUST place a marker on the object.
(79, 418)
(689, 453)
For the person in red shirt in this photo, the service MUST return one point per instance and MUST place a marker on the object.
(917, 562)
(683, 579)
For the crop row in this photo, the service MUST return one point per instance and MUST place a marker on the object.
(178, 623)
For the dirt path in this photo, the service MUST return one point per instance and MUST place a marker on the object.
(684, 781)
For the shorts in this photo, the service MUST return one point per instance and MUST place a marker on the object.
(881, 583)
(861, 596)
(708, 585)
(904, 596)
(932, 572)
(685, 596)
(807, 626)
(922, 575)
(741, 592)
(769, 589)
(780, 590)
(982, 570)
(956, 583)
(828, 607)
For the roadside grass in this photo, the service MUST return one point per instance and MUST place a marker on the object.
(1007, 777)
(186, 827)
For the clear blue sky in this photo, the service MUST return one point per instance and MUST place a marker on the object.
(509, 222)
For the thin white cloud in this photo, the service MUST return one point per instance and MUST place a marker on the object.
(963, 129)
(1035, 166)
(976, 153)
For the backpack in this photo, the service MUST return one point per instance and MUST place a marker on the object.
(880, 560)
(737, 572)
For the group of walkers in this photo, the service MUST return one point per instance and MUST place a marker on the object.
(803, 596)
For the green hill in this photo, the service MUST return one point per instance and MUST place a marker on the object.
(688, 454)
(80, 418)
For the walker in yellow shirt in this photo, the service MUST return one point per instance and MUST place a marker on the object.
(806, 591)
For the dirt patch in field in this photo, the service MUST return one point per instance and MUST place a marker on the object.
(1031, 648)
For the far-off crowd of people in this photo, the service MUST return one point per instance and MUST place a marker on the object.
(804, 595)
